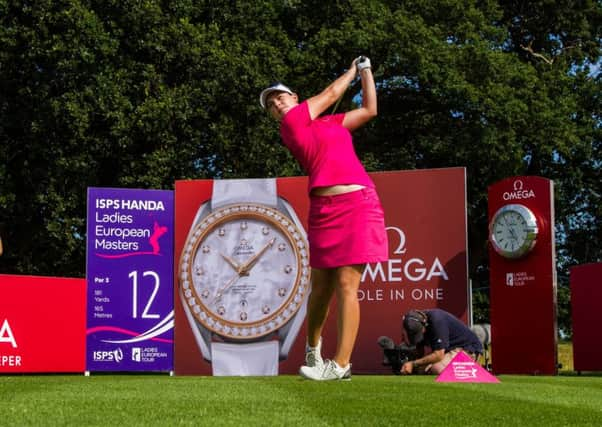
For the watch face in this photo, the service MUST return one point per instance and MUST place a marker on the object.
(513, 231)
(244, 271)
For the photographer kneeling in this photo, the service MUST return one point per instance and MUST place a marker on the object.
(444, 333)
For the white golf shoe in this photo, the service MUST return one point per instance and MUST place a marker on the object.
(329, 371)
(313, 355)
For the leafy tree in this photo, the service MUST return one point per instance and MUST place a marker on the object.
(138, 94)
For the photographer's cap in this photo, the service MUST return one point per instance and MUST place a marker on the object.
(274, 87)
(413, 323)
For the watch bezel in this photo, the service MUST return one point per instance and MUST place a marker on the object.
(247, 331)
(532, 231)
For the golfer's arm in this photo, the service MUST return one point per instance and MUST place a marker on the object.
(369, 109)
(319, 103)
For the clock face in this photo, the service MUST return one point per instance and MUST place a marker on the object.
(513, 231)
(244, 271)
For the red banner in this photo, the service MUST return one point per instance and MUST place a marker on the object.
(425, 213)
(586, 294)
(42, 324)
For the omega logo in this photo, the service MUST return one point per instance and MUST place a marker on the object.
(399, 270)
(401, 248)
(519, 192)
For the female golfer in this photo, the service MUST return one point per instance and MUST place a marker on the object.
(346, 220)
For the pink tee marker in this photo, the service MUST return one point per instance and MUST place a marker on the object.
(462, 369)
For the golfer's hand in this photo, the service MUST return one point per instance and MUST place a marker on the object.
(362, 63)
(407, 368)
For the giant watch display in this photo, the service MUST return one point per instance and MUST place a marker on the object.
(245, 277)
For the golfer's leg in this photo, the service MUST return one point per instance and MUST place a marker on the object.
(322, 289)
(348, 307)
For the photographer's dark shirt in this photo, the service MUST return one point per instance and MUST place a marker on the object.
(445, 331)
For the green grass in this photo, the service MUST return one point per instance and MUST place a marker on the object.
(128, 400)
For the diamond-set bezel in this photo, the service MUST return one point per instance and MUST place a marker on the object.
(276, 319)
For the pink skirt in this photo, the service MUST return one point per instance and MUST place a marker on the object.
(347, 229)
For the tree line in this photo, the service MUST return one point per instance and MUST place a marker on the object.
(139, 94)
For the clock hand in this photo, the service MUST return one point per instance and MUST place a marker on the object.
(510, 229)
(221, 291)
(241, 270)
(250, 263)
(233, 263)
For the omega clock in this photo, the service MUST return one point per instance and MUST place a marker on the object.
(513, 231)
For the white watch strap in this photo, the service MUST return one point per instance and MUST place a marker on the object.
(259, 358)
(229, 191)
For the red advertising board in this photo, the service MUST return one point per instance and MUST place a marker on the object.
(586, 294)
(523, 276)
(42, 324)
(425, 214)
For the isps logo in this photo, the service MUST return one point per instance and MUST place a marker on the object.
(108, 355)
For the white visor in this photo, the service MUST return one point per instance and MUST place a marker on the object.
(276, 87)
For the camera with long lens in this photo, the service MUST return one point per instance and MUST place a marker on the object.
(396, 355)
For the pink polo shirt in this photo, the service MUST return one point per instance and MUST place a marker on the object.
(323, 147)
